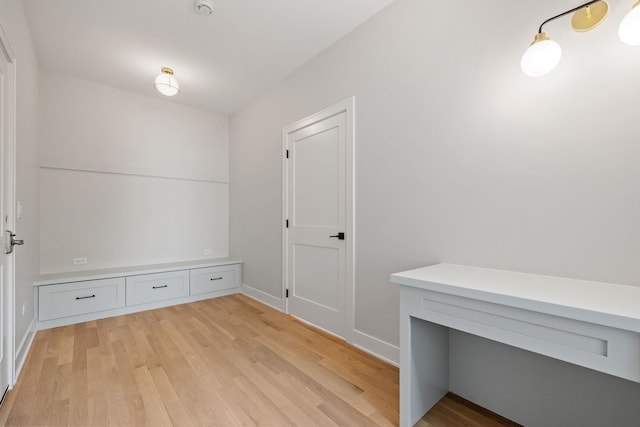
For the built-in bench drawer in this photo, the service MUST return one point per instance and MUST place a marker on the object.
(147, 288)
(213, 279)
(69, 299)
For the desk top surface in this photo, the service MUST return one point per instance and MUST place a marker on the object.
(603, 303)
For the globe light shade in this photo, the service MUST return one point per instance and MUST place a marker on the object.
(629, 30)
(166, 84)
(541, 57)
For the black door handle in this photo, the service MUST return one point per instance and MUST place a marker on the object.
(339, 236)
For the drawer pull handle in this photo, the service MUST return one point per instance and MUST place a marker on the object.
(216, 278)
(161, 286)
(90, 296)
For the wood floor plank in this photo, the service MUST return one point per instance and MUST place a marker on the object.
(220, 362)
(175, 410)
(79, 398)
(265, 381)
(318, 378)
(155, 411)
(198, 400)
(117, 408)
(97, 410)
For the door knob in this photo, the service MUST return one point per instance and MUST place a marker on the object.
(10, 241)
(339, 236)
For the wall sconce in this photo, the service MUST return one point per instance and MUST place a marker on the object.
(544, 54)
(629, 30)
(166, 84)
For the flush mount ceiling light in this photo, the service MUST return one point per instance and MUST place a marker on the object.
(166, 84)
(203, 7)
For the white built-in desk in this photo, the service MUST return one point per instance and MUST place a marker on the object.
(591, 324)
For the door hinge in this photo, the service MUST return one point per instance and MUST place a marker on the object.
(286, 293)
(287, 154)
(287, 223)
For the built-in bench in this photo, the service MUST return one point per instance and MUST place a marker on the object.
(68, 298)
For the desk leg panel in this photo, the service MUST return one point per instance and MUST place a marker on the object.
(424, 367)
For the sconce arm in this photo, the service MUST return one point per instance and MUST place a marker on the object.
(589, 3)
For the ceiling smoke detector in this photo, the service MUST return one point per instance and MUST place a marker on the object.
(204, 7)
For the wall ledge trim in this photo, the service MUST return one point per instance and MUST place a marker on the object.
(142, 171)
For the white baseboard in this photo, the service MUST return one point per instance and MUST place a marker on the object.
(376, 347)
(263, 297)
(22, 351)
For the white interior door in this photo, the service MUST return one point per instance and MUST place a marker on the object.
(6, 209)
(319, 236)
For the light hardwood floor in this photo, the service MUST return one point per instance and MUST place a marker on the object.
(226, 361)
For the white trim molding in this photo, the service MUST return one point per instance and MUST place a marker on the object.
(22, 351)
(263, 297)
(376, 347)
(5, 47)
(9, 152)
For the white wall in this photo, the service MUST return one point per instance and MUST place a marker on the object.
(128, 179)
(461, 158)
(14, 23)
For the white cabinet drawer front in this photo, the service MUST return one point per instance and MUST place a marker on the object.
(69, 299)
(157, 287)
(602, 348)
(204, 280)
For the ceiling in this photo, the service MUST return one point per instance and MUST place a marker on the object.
(221, 60)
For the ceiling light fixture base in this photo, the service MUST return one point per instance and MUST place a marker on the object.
(589, 17)
(203, 7)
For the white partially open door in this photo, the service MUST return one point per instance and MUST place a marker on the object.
(319, 219)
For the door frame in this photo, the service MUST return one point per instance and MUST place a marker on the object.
(347, 107)
(10, 146)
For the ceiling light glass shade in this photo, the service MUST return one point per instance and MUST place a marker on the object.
(542, 56)
(166, 84)
(629, 30)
